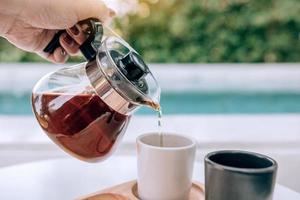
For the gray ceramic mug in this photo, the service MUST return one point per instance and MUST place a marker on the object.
(239, 175)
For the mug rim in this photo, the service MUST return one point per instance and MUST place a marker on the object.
(271, 168)
(192, 140)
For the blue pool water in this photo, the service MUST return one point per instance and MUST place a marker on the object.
(189, 103)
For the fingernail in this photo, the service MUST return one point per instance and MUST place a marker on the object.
(68, 39)
(74, 30)
(63, 52)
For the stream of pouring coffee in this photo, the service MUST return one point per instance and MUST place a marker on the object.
(158, 109)
(160, 132)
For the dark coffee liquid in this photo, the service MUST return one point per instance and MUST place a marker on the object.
(83, 125)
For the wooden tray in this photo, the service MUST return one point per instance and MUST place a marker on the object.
(128, 191)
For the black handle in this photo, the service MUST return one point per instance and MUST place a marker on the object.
(54, 43)
(88, 48)
(94, 31)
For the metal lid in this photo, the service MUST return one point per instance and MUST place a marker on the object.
(126, 71)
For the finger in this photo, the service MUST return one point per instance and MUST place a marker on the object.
(59, 55)
(94, 8)
(77, 33)
(42, 40)
(47, 56)
(68, 44)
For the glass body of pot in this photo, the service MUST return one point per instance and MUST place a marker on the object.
(80, 110)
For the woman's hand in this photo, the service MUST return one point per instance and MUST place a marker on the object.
(31, 24)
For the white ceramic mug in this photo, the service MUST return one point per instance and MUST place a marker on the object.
(165, 173)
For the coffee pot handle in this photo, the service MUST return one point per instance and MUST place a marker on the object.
(54, 43)
(89, 47)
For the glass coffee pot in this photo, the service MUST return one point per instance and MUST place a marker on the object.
(85, 109)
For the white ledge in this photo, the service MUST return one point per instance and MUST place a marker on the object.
(268, 130)
(279, 77)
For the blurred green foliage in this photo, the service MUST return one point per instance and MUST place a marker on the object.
(205, 31)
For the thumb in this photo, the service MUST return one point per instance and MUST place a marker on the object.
(93, 8)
